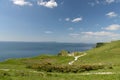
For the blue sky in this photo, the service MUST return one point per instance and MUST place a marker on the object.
(86, 21)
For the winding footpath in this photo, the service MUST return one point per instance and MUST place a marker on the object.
(76, 58)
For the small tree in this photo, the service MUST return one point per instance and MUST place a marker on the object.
(100, 44)
(63, 53)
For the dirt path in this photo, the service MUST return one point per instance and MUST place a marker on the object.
(5, 69)
(99, 73)
(76, 58)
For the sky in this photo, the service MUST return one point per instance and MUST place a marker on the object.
(77, 21)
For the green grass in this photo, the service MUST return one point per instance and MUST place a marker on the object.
(107, 55)
(23, 62)
(23, 75)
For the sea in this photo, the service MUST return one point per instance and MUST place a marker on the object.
(30, 49)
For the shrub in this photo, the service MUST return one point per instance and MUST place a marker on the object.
(65, 68)
(63, 53)
(99, 45)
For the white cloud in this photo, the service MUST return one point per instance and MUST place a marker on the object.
(48, 32)
(70, 28)
(99, 36)
(67, 19)
(109, 1)
(112, 14)
(48, 4)
(101, 33)
(21, 2)
(102, 2)
(113, 27)
(74, 34)
(77, 19)
(94, 3)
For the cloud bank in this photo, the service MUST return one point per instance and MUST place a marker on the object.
(113, 27)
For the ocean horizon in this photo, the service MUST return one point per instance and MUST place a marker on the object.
(30, 49)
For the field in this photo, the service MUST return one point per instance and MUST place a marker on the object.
(101, 63)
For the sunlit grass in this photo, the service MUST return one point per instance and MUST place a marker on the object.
(107, 55)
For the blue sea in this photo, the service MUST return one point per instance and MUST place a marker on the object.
(30, 49)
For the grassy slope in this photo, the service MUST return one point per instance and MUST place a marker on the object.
(21, 63)
(107, 54)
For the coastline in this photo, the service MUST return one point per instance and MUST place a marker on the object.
(27, 49)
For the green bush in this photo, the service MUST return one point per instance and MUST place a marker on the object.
(99, 45)
(65, 68)
(63, 53)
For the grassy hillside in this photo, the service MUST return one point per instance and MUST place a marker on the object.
(109, 53)
(101, 62)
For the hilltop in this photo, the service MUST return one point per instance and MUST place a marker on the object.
(101, 62)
